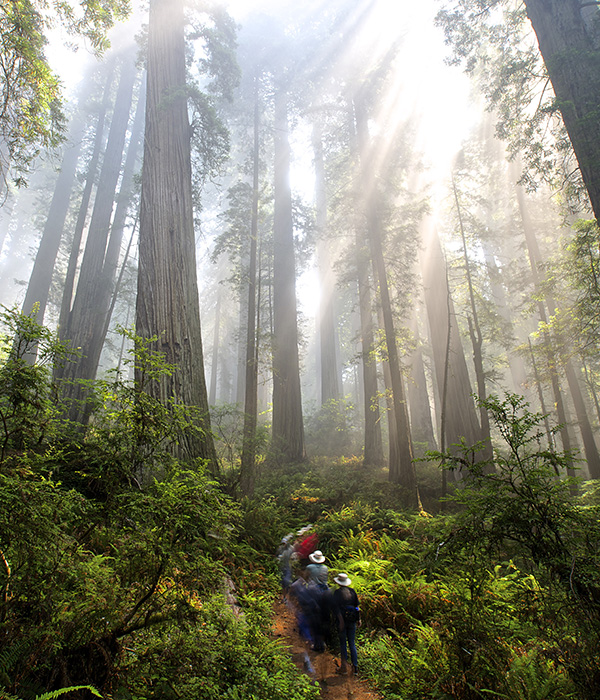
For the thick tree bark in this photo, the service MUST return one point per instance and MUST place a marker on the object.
(167, 301)
(569, 47)
(288, 429)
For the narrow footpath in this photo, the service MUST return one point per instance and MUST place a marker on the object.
(323, 666)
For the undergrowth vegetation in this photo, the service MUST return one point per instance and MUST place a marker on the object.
(128, 574)
(123, 571)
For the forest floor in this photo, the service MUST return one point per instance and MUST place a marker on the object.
(324, 665)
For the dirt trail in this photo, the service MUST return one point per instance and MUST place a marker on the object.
(333, 686)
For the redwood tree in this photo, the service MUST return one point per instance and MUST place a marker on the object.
(167, 301)
(288, 428)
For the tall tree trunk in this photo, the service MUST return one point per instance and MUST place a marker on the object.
(248, 459)
(476, 339)
(90, 305)
(7, 202)
(569, 47)
(373, 443)
(418, 397)
(401, 466)
(589, 444)
(111, 277)
(589, 378)
(214, 369)
(518, 371)
(461, 418)
(288, 429)
(69, 284)
(538, 383)
(167, 300)
(239, 389)
(329, 372)
(124, 199)
(534, 259)
(40, 280)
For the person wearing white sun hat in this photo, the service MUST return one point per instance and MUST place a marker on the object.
(316, 575)
(347, 614)
(316, 570)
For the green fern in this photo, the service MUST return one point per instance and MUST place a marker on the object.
(10, 658)
(53, 693)
(533, 677)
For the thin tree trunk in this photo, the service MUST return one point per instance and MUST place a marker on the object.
(592, 387)
(518, 371)
(540, 395)
(109, 281)
(444, 391)
(214, 370)
(373, 443)
(248, 459)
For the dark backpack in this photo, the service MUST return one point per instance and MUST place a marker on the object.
(350, 613)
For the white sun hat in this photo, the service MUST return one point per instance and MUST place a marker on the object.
(317, 557)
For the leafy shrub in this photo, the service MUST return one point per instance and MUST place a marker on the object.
(221, 656)
(415, 668)
(29, 410)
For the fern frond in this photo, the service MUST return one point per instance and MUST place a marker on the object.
(57, 693)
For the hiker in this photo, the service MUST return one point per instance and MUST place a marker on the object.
(284, 556)
(316, 577)
(306, 544)
(347, 614)
(317, 571)
(304, 606)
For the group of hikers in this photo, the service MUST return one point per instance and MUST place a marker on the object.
(320, 610)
